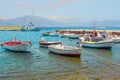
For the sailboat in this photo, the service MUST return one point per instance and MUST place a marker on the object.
(30, 27)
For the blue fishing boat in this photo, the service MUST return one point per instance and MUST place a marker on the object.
(30, 27)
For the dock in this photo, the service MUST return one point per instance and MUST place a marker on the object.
(113, 32)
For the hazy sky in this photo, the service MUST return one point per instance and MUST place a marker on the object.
(66, 10)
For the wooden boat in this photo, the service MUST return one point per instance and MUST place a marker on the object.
(18, 46)
(103, 44)
(65, 50)
(46, 44)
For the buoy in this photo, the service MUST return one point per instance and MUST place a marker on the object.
(1, 44)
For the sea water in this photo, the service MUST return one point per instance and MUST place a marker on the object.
(40, 64)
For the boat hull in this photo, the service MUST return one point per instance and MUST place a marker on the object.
(70, 55)
(17, 46)
(68, 52)
(46, 44)
(31, 29)
(97, 45)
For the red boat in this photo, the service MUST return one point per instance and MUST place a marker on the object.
(22, 46)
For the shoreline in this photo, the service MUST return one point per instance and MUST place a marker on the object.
(10, 28)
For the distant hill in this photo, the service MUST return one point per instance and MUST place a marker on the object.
(43, 22)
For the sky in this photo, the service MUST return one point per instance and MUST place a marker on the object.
(63, 10)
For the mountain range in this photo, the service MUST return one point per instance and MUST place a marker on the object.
(44, 22)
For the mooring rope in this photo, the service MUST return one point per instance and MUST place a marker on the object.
(36, 50)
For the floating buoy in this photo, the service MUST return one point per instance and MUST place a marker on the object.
(1, 44)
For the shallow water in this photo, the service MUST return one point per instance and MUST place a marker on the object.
(40, 64)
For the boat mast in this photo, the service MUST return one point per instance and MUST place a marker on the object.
(94, 25)
(31, 24)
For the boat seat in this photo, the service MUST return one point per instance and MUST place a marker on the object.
(60, 47)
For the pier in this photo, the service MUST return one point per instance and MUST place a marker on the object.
(112, 32)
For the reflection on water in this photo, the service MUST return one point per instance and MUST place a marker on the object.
(94, 64)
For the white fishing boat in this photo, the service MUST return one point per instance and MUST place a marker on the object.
(66, 50)
(51, 34)
(18, 46)
(64, 35)
(44, 43)
(54, 35)
(103, 44)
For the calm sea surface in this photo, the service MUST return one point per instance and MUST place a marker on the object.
(40, 64)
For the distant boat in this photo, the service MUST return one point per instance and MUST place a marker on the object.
(50, 34)
(18, 46)
(54, 35)
(66, 50)
(74, 36)
(30, 27)
(46, 33)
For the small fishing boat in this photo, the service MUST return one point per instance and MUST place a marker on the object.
(66, 35)
(30, 28)
(66, 50)
(54, 35)
(46, 33)
(50, 34)
(103, 44)
(63, 35)
(74, 36)
(17, 46)
(44, 43)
